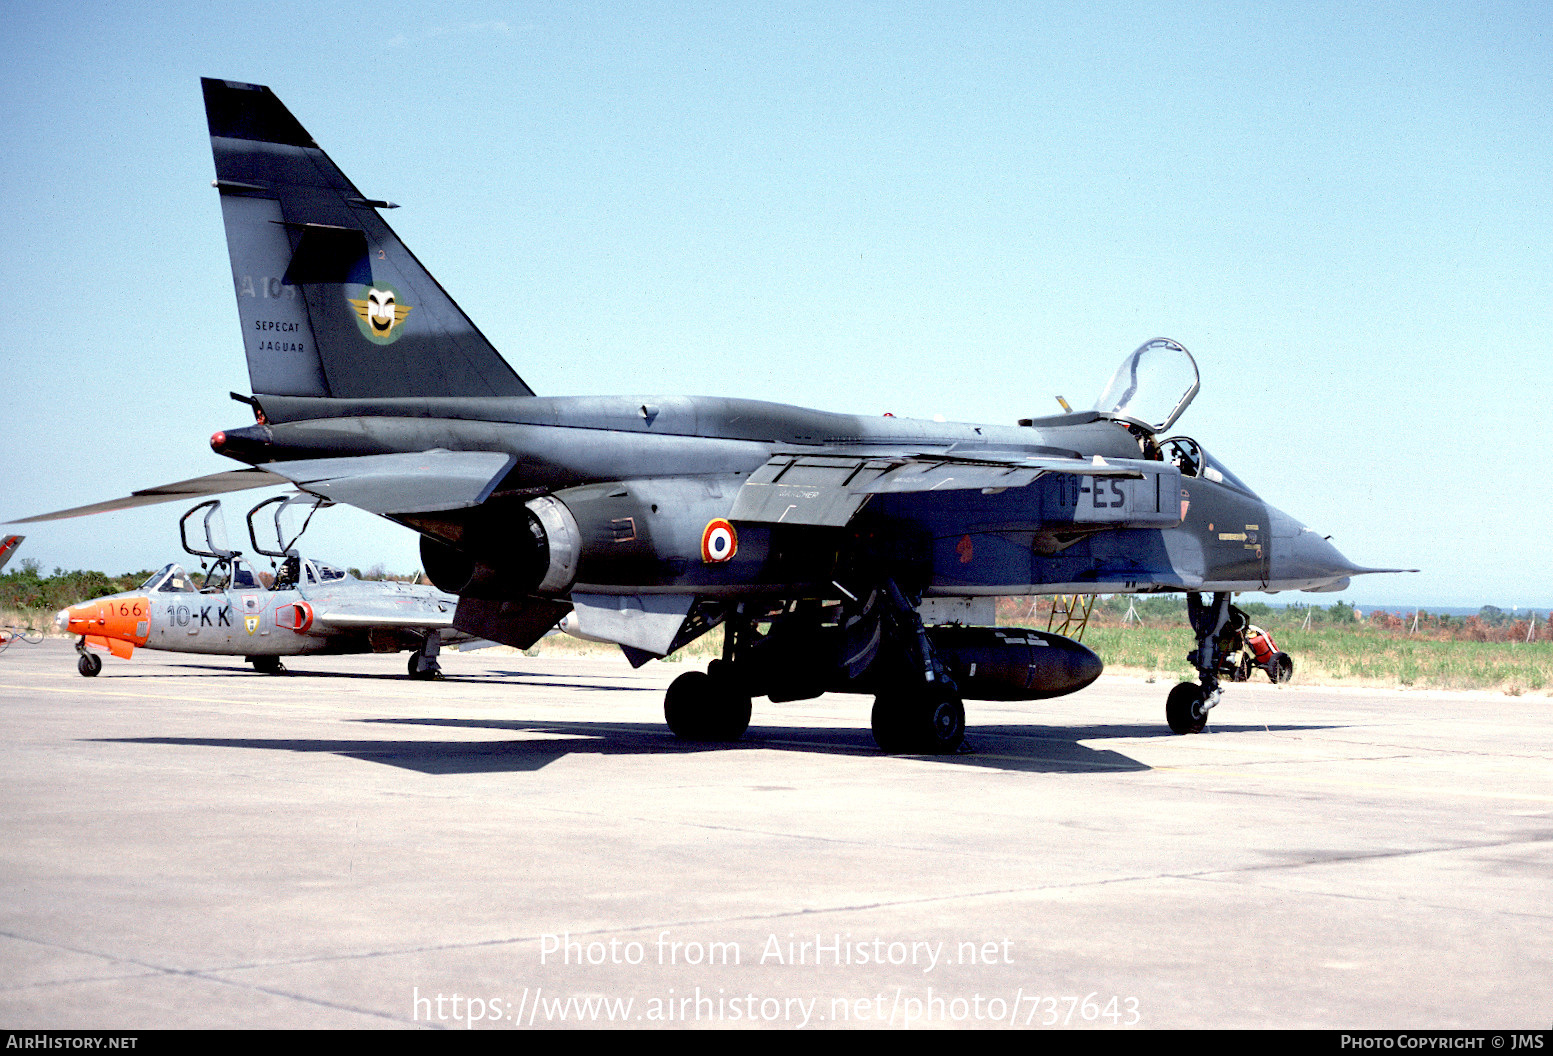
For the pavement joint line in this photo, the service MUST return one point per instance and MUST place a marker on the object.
(152, 971)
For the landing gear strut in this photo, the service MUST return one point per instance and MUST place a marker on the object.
(921, 711)
(1186, 709)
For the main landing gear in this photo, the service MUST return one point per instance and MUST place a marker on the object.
(926, 720)
(876, 643)
(712, 705)
(919, 709)
(267, 665)
(423, 661)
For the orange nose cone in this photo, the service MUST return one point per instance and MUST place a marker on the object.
(218, 440)
(82, 618)
(125, 619)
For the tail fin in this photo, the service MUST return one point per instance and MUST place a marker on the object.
(331, 302)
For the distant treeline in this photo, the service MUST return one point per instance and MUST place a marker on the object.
(26, 592)
(1489, 624)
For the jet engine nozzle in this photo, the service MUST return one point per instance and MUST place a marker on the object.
(540, 557)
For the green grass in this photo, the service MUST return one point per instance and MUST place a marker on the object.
(1351, 654)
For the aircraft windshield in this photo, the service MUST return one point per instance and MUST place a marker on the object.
(171, 579)
(156, 577)
(1193, 460)
(328, 573)
(1152, 387)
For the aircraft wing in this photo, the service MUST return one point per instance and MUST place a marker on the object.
(419, 482)
(196, 487)
(826, 490)
(8, 547)
(403, 483)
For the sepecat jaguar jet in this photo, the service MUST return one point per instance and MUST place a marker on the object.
(839, 552)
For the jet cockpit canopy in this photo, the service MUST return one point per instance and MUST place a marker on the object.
(171, 579)
(1152, 387)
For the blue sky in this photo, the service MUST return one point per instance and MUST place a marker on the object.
(1345, 213)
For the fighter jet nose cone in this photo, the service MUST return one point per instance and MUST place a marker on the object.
(1306, 559)
(217, 441)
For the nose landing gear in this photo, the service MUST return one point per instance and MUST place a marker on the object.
(90, 663)
(1187, 707)
(1184, 708)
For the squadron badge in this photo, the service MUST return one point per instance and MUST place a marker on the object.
(379, 314)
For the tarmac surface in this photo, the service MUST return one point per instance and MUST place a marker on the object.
(188, 843)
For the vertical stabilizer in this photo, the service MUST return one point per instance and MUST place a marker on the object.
(331, 302)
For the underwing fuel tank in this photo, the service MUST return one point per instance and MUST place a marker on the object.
(986, 663)
(1012, 663)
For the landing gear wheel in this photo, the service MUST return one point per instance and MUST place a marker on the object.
(1184, 709)
(701, 707)
(1283, 667)
(432, 671)
(928, 720)
(269, 665)
(889, 726)
(89, 665)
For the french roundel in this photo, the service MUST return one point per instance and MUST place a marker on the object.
(719, 542)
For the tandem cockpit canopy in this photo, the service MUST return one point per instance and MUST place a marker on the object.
(1152, 387)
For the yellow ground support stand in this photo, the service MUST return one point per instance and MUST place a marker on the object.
(1074, 610)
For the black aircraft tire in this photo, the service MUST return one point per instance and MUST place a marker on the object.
(268, 665)
(698, 707)
(431, 673)
(944, 724)
(731, 705)
(1283, 667)
(89, 665)
(928, 721)
(1183, 709)
(889, 729)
